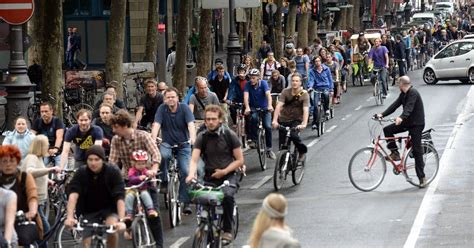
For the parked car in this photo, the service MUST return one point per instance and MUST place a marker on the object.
(468, 36)
(454, 62)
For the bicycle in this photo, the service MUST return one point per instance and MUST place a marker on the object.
(139, 89)
(321, 118)
(240, 122)
(378, 90)
(209, 214)
(141, 235)
(367, 167)
(261, 142)
(98, 231)
(359, 69)
(287, 161)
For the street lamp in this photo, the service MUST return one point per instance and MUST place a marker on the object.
(233, 44)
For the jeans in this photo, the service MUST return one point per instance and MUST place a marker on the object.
(415, 133)
(401, 67)
(183, 156)
(267, 125)
(382, 78)
(325, 96)
(42, 215)
(70, 59)
(130, 199)
(56, 160)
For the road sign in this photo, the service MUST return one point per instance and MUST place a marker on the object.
(16, 12)
(224, 4)
(271, 8)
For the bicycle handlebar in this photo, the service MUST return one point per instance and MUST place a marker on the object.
(380, 120)
(147, 180)
(285, 128)
(195, 184)
(110, 229)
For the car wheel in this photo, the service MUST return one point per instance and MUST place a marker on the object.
(429, 76)
(471, 75)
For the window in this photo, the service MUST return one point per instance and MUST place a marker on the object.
(106, 7)
(465, 47)
(77, 7)
(448, 52)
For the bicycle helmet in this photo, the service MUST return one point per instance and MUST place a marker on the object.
(254, 72)
(241, 67)
(139, 155)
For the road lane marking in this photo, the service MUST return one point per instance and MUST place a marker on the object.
(428, 200)
(346, 117)
(179, 242)
(261, 182)
(313, 143)
(369, 99)
(358, 108)
(331, 128)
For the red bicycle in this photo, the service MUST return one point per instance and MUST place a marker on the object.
(367, 167)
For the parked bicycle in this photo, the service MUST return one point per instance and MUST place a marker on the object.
(287, 162)
(209, 214)
(367, 167)
(139, 89)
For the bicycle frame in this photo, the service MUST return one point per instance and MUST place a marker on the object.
(399, 167)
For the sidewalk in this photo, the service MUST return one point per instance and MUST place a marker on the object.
(446, 215)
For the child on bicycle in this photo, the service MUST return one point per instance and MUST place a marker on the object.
(136, 175)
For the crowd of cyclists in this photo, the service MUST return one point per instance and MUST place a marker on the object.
(111, 145)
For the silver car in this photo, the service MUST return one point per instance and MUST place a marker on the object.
(453, 62)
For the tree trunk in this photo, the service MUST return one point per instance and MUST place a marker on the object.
(257, 30)
(356, 19)
(303, 29)
(151, 32)
(278, 49)
(35, 30)
(204, 60)
(381, 7)
(51, 53)
(179, 75)
(342, 20)
(312, 30)
(291, 21)
(115, 44)
(349, 18)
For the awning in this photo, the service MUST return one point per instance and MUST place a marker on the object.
(333, 9)
(346, 6)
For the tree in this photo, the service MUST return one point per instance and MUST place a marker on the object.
(204, 54)
(35, 30)
(179, 76)
(51, 53)
(278, 49)
(257, 29)
(356, 18)
(303, 29)
(291, 22)
(381, 7)
(115, 44)
(151, 32)
(312, 30)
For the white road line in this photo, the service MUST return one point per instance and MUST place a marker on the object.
(346, 117)
(428, 199)
(313, 143)
(358, 108)
(10, 6)
(331, 128)
(179, 242)
(369, 99)
(261, 182)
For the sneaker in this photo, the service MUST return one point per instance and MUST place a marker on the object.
(384, 96)
(164, 187)
(327, 113)
(227, 237)
(251, 144)
(395, 156)
(152, 213)
(187, 209)
(270, 154)
(422, 182)
(314, 127)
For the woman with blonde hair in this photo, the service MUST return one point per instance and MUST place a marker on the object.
(269, 228)
(34, 165)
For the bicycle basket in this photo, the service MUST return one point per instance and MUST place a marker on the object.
(375, 129)
(206, 197)
(72, 96)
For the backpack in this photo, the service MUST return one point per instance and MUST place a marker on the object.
(227, 138)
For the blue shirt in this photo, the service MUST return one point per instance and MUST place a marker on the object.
(257, 94)
(236, 93)
(83, 140)
(174, 126)
(320, 81)
(301, 62)
(407, 41)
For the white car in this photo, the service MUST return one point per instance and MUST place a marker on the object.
(454, 62)
(468, 37)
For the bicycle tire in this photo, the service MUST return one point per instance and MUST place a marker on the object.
(320, 120)
(431, 160)
(358, 166)
(235, 221)
(297, 172)
(201, 237)
(141, 235)
(66, 238)
(377, 93)
(173, 189)
(261, 146)
(279, 176)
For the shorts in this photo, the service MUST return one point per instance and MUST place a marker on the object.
(97, 217)
(423, 49)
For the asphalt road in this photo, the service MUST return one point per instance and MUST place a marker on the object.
(326, 210)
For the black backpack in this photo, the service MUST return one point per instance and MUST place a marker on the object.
(227, 138)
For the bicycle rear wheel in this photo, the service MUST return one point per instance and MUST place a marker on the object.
(364, 174)
(431, 160)
(141, 235)
(281, 167)
(261, 146)
(201, 238)
(173, 202)
(297, 172)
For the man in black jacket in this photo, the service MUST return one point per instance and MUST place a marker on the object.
(399, 54)
(412, 120)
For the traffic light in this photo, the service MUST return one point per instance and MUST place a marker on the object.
(315, 13)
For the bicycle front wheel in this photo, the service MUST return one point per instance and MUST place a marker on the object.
(141, 235)
(367, 169)
(431, 161)
(297, 172)
(173, 194)
(66, 238)
(261, 146)
(201, 238)
(281, 166)
(377, 96)
(235, 221)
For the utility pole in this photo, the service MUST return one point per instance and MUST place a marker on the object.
(233, 44)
